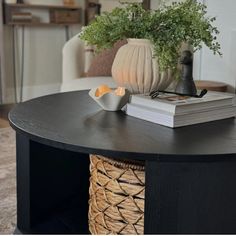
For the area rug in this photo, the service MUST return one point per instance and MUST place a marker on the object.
(7, 181)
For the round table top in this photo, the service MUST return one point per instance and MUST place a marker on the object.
(75, 122)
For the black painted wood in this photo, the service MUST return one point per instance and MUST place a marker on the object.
(206, 197)
(23, 182)
(152, 197)
(190, 198)
(52, 189)
(73, 121)
(190, 171)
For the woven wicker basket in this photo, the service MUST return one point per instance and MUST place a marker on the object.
(116, 204)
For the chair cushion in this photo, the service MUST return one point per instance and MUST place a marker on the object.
(102, 63)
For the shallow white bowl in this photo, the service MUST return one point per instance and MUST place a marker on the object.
(110, 101)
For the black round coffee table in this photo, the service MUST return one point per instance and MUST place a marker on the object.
(190, 171)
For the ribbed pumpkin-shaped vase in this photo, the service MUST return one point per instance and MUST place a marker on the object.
(136, 68)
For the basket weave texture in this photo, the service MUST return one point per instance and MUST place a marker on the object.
(117, 189)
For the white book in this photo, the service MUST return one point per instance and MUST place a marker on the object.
(183, 105)
(169, 119)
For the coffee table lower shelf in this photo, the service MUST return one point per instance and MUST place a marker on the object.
(64, 220)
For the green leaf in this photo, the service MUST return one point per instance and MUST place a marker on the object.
(167, 28)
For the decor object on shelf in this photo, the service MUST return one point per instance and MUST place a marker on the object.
(186, 84)
(167, 28)
(110, 99)
(69, 2)
(22, 17)
(117, 190)
(59, 16)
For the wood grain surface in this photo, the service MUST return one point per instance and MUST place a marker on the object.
(75, 122)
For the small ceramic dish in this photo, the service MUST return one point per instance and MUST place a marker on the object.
(110, 99)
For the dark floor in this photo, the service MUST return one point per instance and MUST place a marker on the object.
(4, 109)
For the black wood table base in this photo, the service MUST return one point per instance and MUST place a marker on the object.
(52, 189)
(190, 177)
(190, 198)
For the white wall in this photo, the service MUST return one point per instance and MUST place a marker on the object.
(108, 5)
(210, 67)
(155, 4)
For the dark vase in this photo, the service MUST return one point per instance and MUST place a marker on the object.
(186, 84)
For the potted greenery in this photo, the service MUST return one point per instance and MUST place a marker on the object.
(149, 60)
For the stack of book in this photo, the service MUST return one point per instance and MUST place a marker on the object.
(176, 111)
(22, 17)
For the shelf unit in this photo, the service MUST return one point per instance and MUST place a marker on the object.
(9, 9)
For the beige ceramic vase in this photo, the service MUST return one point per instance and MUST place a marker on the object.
(136, 68)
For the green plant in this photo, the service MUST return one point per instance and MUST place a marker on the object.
(167, 28)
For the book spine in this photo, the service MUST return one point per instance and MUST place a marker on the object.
(205, 119)
(149, 115)
(21, 17)
(170, 120)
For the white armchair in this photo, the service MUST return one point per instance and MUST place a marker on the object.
(75, 64)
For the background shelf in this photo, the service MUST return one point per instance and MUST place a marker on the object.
(58, 14)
